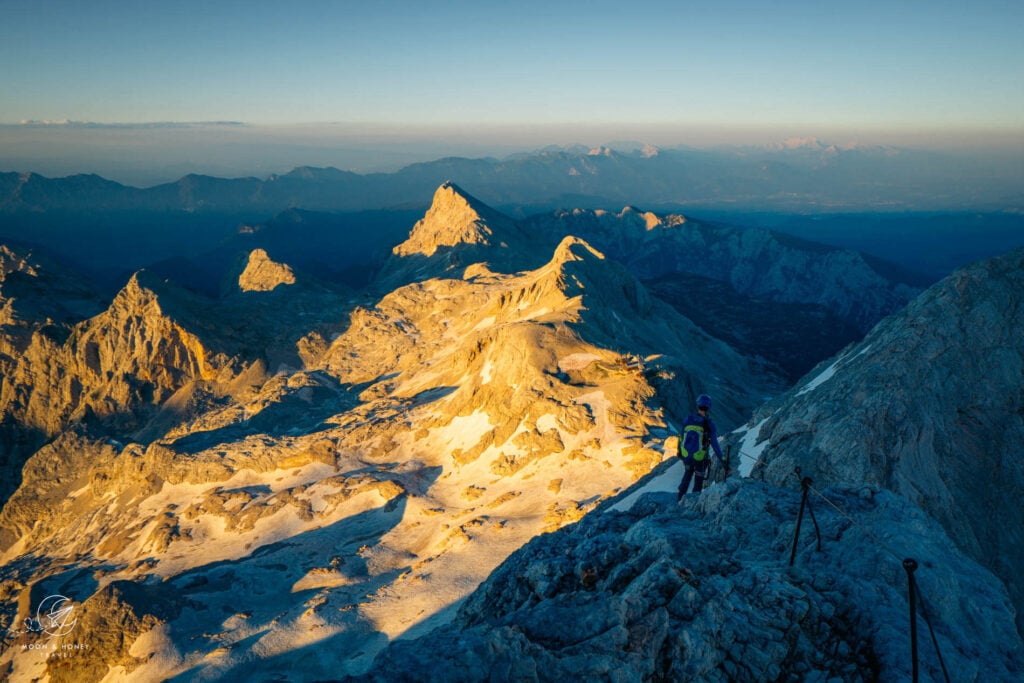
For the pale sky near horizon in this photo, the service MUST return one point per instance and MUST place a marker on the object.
(622, 70)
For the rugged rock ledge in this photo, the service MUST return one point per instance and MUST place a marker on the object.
(703, 591)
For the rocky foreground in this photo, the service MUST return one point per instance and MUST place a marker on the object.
(929, 405)
(703, 591)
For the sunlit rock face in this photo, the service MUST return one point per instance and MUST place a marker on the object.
(262, 274)
(457, 231)
(753, 262)
(280, 481)
(456, 218)
(908, 440)
(929, 405)
(117, 367)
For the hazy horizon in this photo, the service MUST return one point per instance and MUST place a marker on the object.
(150, 153)
(405, 82)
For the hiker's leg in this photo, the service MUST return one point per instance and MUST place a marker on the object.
(698, 479)
(685, 484)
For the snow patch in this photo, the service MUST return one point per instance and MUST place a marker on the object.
(666, 482)
(466, 431)
(547, 422)
(829, 371)
(750, 450)
(484, 324)
(76, 493)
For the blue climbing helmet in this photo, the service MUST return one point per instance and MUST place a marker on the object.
(704, 401)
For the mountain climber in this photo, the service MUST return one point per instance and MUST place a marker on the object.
(699, 433)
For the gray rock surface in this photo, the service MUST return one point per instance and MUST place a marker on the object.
(704, 591)
(929, 405)
(755, 262)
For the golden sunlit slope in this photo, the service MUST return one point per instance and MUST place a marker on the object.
(301, 520)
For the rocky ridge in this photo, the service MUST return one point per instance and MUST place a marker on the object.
(369, 480)
(893, 434)
(928, 405)
(754, 262)
(114, 368)
(703, 591)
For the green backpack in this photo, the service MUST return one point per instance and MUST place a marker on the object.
(693, 444)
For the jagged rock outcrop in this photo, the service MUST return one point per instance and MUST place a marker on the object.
(457, 231)
(261, 274)
(456, 218)
(363, 489)
(929, 405)
(130, 355)
(39, 303)
(115, 367)
(755, 262)
(108, 625)
(703, 591)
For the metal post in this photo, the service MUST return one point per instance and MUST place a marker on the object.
(806, 483)
(800, 518)
(910, 565)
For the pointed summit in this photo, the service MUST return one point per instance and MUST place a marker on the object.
(455, 217)
(459, 231)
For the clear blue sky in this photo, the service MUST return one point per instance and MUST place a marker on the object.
(322, 82)
(875, 64)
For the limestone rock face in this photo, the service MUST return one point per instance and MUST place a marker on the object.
(456, 218)
(929, 405)
(457, 231)
(263, 275)
(754, 262)
(129, 355)
(116, 366)
(703, 591)
(358, 487)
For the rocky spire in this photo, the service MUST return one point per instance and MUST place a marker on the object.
(261, 274)
(455, 217)
(457, 232)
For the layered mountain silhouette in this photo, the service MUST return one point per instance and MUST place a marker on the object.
(103, 226)
(281, 479)
(802, 176)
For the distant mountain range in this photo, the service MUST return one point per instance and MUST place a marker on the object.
(804, 176)
(965, 207)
